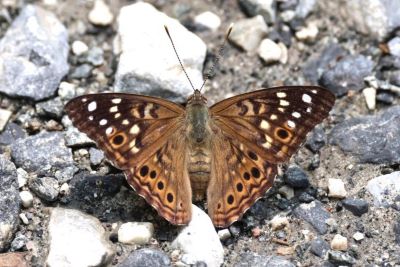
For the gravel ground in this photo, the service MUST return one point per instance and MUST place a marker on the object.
(336, 203)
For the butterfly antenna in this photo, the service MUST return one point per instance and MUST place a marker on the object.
(220, 54)
(176, 53)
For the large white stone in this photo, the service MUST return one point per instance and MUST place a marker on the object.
(135, 233)
(199, 241)
(101, 14)
(77, 240)
(385, 189)
(148, 64)
(336, 188)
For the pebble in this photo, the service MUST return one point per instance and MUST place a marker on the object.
(358, 236)
(369, 143)
(308, 33)
(33, 51)
(139, 69)
(319, 247)
(13, 259)
(370, 97)
(11, 133)
(64, 189)
(265, 8)
(208, 20)
(95, 56)
(26, 199)
(356, 206)
(317, 139)
(23, 218)
(347, 74)
(396, 230)
(269, 51)
(286, 191)
(278, 222)
(5, 115)
(224, 234)
(79, 48)
(305, 7)
(138, 233)
(394, 46)
(336, 188)
(199, 241)
(315, 214)
(9, 202)
(77, 239)
(22, 177)
(82, 71)
(19, 243)
(296, 177)
(248, 33)
(339, 258)
(52, 108)
(45, 187)
(385, 189)
(250, 258)
(96, 156)
(66, 90)
(101, 14)
(74, 138)
(146, 257)
(339, 242)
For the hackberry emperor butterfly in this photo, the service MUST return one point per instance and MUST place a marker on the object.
(228, 152)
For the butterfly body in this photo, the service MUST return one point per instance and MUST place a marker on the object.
(228, 152)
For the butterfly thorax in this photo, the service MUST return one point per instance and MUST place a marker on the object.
(198, 136)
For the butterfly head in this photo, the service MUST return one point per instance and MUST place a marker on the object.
(197, 98)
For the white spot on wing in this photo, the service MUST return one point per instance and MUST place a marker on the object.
(314, 91)
(273, 117)
(264, 125)
(306, 98)
(103, 122)
(90, 118)
(116, 116)
(109, 130)
(84, 99)
(135, 129)
(125, 122)
(92, 106)
(281, 110)
(281, 94)
(309, 110)
(114, 109)
(296, 114)
(291, 124)
(283, 103)
(116, 100)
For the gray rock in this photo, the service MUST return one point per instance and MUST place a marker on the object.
(46, 188)
(347, 74)
(248, 33)
(11, 133)
(394, 46)
(255, 260)
(373, 139)
(19, 242)
(77, 239)
(396, 230)
(74, 137)
(319, 247)
(339, 258)
(296, 177)
(96, 156)
(265, 8)
(357, 206)
(9, 202)
(52, 108)
(5, 115)
(317, 139)
(305, 7)
(44, 153)
(150, 66)
(315, 214)
(385, 189)
(146, 257)
(82, 71)
(33, 55)
(95, 56)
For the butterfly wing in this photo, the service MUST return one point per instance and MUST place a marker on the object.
(253, 133)
(137, 133)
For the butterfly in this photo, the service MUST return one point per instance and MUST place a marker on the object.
(228, 153)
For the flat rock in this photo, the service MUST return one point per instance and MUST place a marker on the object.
(14, 259)
(339, 258)
(96, 156)
(315, 214)
(248, 33)
(356, 206)
(5, 115)
(373, 139)
(256, 260)
(336, 188)
(77, 239)
(319, 247)
(146, 257)
(11, 133)
(33, 55)
(138, 233)
(150, 66)
(317, 139)
(199, 241)
(46, 188)
(9, 202)
(52, 108)
(296, 177)
(347, 74)
(32, 154)
(385, 189)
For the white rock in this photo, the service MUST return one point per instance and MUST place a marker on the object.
(79, 47)
(339, 242)
(308, 34)
(101, 14)
(208, 20)
(22, 177)
(394, 46)
(358, 236)
(370, 97)
(286, 191)
(248, 33)
(224, 234)
(77, 240)
(66, 90)
(269, 51)
(148, 64)
(284, 53)
(26, 199)
(385, 189)
(64, 189)
(50, 2)
(138, 233)
(199, 241)
(278, 222)
(23, 218)
(288, 15)
(336, 188)
(4, 117)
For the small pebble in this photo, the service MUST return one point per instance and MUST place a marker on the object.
(269, 51)
(100, 14)
(286, 191)
(22, 177)
(278, 222)
(248, 33)
(79, 47)
(308, 34)
(394, 46)
(358, 236)
(256, 231)
(138, 233)
(64, 189)
(224, 234)
(23, 218)
(285, 251)
(357, 206)
(26, 199)
(66, 90)
(208, 20)
(370, 97)
(336, 188)
(339, 242)
(4, 117)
